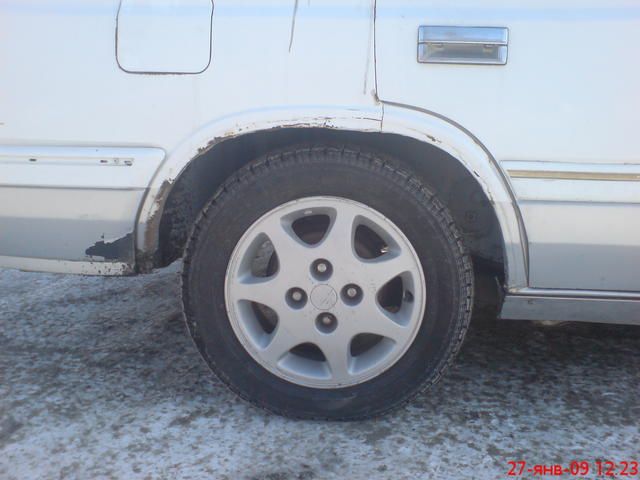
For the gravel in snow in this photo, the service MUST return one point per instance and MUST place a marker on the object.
(98, 379)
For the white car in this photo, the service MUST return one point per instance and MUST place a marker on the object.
(334, 173)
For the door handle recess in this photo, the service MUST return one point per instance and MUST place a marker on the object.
(463, 45)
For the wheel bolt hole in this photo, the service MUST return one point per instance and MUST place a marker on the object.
(296, 298)
(321, 269)
(351, 294)
(326, 322)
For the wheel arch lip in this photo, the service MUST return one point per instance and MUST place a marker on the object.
(420, 125)
(354, 118)
(475, 157)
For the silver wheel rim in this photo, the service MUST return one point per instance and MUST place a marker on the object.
(333, 312)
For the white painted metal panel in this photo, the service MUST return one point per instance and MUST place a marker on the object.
(67, 89)
(272, 65)
(566, 99)
(58, 202)
(583, 245)
(581, 223)
(567, 93)
(164, 36)
(62, 224)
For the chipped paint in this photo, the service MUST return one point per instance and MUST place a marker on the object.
(433, 139)
(327, 122)
(67, 266)
(120, 249)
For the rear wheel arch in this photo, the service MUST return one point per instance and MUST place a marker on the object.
(450, 165)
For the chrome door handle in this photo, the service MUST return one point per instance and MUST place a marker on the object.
(463, 45)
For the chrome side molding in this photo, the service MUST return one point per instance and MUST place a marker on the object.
(463, 45)
(567, 175)
(624, 310)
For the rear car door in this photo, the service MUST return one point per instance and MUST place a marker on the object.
(550, 89)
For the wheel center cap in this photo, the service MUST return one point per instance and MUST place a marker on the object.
(323, 297)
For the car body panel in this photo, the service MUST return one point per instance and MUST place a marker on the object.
(76, 204)
(85, 85)
(566, 100)
(66, 90)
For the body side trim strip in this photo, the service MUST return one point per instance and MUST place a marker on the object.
(564, 175)
(74, 167)
(566, 293)
(596, 310)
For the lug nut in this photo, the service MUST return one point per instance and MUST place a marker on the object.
(296, 298)
(321, 269)
(351, 294)
(326, 322)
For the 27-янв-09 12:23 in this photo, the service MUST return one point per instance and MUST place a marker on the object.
(577, 468)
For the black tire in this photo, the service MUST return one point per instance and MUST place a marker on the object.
(363, 176)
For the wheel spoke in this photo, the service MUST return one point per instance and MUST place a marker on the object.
(339, 239)
(381, 270)
(265, 291)
(286, 336)
(289, 248)
(336, 349)
(378, 322)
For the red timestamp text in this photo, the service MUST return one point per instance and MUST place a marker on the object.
(576, 468)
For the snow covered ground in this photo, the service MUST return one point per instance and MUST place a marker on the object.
(98, 379)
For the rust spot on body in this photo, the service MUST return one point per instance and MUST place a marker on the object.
(120, 249)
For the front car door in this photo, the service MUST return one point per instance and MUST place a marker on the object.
(553, 95)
